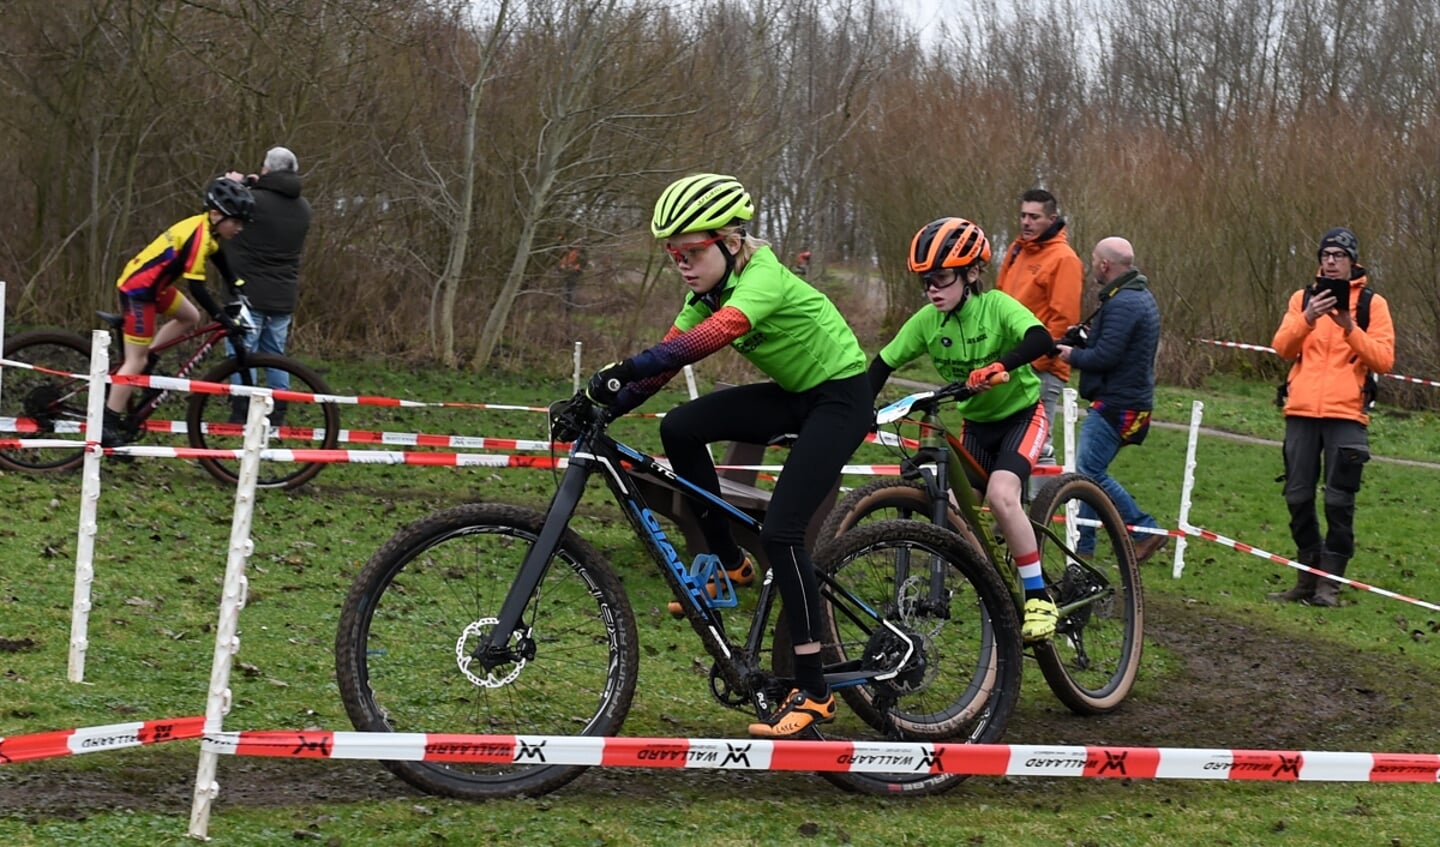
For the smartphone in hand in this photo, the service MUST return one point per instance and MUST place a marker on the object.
(1340, 288)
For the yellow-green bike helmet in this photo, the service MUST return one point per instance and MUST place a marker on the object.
(700, 203)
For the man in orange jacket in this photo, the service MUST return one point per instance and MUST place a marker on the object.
(1041, 270)
(1325, 404)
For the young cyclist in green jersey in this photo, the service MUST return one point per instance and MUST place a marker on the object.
(147, 286)
(742, 296)
(972, 336)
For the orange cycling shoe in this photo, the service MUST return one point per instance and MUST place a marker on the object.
(801, 711)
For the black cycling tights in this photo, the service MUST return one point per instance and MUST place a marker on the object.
(831, 420)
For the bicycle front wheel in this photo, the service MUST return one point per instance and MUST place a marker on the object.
(425, 601)
(1092, 660)
(217, 421)
(34, 404)
(889, 498)
(951, 669)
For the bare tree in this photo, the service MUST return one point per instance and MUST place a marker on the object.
(598, 116)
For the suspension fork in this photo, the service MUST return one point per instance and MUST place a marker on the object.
(934, 447)
(494, 650)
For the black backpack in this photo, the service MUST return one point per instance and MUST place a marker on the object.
(1362, 320)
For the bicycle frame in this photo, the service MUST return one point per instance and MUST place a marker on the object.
(149, 400)
(940, 448)
(598, 452)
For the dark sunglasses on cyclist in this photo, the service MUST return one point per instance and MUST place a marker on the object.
(689, 254)
(939, 280)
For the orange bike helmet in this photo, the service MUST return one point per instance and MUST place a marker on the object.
(948, 243)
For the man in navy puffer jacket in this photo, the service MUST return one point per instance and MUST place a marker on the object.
(1117, 376)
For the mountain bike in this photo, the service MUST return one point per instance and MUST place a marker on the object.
(34, 403)
(497, 619)
(1092, 660)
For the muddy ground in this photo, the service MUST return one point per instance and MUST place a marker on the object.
(1237, 686)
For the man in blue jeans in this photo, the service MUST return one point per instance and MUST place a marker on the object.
(1117, 376)
(268, 259)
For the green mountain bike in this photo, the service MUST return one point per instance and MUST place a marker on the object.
(1094, 656)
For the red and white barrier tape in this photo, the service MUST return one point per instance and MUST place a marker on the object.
(745, 754)
(352, 436)
(1256, 551)
(844, 756)
(1239, 346)
(170, 383)
(1236, 344)
(93, 739)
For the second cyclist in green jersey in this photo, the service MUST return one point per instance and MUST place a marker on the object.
(974, 336)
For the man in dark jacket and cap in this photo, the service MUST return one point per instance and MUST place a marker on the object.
(267, 256)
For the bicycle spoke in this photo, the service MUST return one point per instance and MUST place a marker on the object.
(426, 602)
(217, 421)
(1094, 656)
(38, 405)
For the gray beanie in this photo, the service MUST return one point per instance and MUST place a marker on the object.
(1342, 238)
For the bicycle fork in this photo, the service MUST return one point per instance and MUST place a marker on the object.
(935, 601)
(495, 649)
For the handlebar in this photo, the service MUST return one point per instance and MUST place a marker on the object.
(575, 416)
(929, 401)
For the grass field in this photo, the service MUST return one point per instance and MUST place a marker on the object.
(160, 555)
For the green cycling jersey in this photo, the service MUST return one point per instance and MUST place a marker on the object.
(797, 337)
(987, 326)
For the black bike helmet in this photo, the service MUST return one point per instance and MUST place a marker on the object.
(230, 199)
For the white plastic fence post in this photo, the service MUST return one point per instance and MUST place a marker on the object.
(2, 330)
(690, 382)
(1196, 413)
(1072, 507)
(232, 600)
(577, 367)
(89, 500)
(1070, 397)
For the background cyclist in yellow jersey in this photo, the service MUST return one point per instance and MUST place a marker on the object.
(147, 286)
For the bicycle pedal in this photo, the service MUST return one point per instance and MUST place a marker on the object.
(713, 582)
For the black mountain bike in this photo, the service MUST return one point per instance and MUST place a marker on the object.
(495, 619)
(34, 404)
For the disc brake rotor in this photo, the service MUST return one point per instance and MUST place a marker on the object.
(463, 660)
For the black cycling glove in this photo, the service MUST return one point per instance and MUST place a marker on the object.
(605, 385)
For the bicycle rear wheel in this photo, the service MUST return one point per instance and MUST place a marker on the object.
(962, 681)
(1092, 661)
(423, 603)
(214, 421)
(34, 404)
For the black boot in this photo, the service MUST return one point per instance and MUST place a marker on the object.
(1327, 590)
(239, 410)
(277, 415)
(1304, 581)
(113, 432)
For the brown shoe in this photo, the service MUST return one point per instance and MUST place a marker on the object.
(1149, 546)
